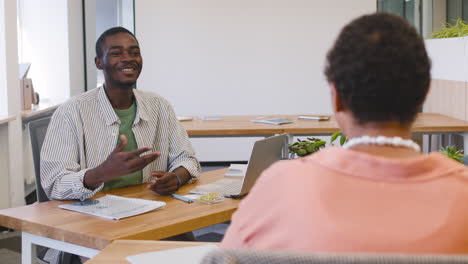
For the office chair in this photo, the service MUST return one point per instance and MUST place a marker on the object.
(37, 133)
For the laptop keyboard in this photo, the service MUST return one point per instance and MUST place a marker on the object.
(232, 188)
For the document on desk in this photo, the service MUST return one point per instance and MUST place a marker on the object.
(184, 255)
(274, 121)
(114, 207)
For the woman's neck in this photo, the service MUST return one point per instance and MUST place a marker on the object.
(375, 130)
(386, 129)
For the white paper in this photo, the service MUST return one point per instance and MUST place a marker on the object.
(184, 118)
(114, 207)
(236, 170)
(183, 255)
(211, 118)
(275, 121)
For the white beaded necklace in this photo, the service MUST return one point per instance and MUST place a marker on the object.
(381, 140)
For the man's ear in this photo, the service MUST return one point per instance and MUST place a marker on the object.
(337, 103)
(98, 62)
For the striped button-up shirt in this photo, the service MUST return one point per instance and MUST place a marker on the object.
(84, 131)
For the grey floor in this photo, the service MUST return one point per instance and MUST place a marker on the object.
(10, 241)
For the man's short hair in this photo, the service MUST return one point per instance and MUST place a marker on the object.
(380, 69)
(107, 33)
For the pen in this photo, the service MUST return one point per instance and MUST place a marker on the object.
(182, 198)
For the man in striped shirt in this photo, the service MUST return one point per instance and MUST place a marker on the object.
(98, 140)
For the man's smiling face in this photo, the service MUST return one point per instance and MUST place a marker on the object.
(121, 61)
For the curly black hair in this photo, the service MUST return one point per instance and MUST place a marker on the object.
(380, 69)
(107, 33)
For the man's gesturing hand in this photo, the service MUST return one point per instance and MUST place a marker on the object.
(164, 182)
(119, 163)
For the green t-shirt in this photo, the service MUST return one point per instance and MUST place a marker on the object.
(127, 117)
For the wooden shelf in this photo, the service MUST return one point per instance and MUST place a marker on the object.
(39, 109)
(6, 119)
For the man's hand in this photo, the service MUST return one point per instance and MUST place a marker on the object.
(119, 163)
(165, 183)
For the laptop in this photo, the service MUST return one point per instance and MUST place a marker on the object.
(264, 153)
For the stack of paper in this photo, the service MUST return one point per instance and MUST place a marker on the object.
(275, 121)
(184, 255)
(114, 207)
(236, 170)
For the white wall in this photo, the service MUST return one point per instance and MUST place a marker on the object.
(226, 57)
(241, 57)
(3, 85)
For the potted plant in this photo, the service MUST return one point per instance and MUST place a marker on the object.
(453, 153)
(447, 50)
(311, 145)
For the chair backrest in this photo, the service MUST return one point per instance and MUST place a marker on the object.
(37, 132)
(223, 256)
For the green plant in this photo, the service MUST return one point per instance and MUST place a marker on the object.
(459, 29)
(340, 135)
(306, 147)
(453, 153)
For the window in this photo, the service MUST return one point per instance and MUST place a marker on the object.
(399, 7)
(457, 9)
(425, 15)
(101, 15)
(43, 41)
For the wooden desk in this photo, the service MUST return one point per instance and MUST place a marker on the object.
(236, 126)
(46, 224)
(242, 126)
(117, 251)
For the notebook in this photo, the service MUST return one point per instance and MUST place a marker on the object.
(264, 153)
(114, 207)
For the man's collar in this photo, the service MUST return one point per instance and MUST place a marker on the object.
(142, 111)
(108, 111)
